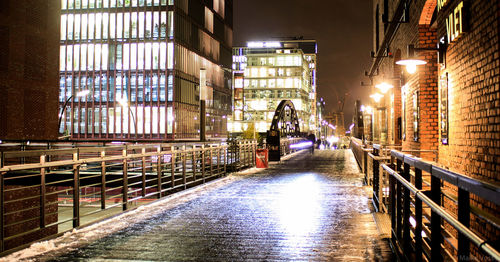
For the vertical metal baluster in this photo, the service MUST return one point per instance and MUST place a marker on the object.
(143, 189)
(406, 211)
(42, 192)
(436, 236)
(183, 159)
(203, 162)
(76, 190)
(103, 180)
(418, 217)
(172, 167)
(464, 218)
(218, 160)
(2, 190)
(211, 162)
(125, 180)
(159, 172)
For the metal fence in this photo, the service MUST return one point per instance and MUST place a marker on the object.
(46, 192)
(435, 214)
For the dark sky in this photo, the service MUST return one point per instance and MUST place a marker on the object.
(342, 28)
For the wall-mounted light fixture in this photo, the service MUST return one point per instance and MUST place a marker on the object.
(384, 87)
(411, 62)
(376, 97)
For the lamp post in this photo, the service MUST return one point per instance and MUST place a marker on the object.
(79, 94)
(124, 103)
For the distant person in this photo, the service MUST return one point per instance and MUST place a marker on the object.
(312, 138)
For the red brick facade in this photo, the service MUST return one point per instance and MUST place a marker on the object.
(469, 76)
(29, 67)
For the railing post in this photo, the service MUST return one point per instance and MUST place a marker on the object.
(2, 190)
(159, 172)
(254, 152)
(103, 180)
(143, 189)
(203, 162)
(436, 237)
(183, 159)
(76, 190)
(172, 170)
(464, 218)
(418, 217)
(225, 159)
(193, 163)
(125, 180)
(393, 200)
(43, 191)
(211, 164)
(406, 211)
(375, 181)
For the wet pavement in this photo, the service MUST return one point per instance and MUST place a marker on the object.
(307, 208)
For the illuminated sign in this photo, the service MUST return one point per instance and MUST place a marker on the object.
(264, 44)
(455, 23)
(441, 3)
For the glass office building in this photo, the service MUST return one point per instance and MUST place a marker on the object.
(266, 73)
(141, 62)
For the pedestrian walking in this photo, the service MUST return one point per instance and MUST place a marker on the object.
(312, 138)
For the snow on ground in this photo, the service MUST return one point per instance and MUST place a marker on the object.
(71, 240)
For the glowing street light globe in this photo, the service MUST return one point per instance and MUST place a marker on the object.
(384, 87)
(376, 97)
(411, 64)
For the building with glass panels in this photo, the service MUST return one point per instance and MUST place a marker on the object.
(141, 62)
(266, 73)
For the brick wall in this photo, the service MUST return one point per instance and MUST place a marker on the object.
(29, 67)
(473, 67)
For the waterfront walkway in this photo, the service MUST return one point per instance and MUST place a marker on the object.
(308, 208)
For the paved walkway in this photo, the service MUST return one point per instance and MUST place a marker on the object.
(311, 208)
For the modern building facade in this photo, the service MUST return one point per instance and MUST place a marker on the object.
(265, 73)
(143, 63)
(28, 69)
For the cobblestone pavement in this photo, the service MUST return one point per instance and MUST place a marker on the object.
(309, 207)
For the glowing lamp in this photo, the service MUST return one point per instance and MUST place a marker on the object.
(376, 97)
(384, 87)
(411, 64)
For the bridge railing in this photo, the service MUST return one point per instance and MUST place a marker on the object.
(431, 208)
(67, 188)
(435, 213)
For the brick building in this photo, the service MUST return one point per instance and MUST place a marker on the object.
(446, 110)
(29, 69)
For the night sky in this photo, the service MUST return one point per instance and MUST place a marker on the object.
(342, 29)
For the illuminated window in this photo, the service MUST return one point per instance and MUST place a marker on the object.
(63, 27)
(272, 83)
(209, 20)
(133, 24)
(77, 27)
(443, 108)
(105, 23)
(141, 24)
(119, 25)
(271, 72)
(263, 83)
(91, 26)
(112, 24)
(263, 72)
(280, 82)
(98, 25)
(289, 83)
(84, 26)
(62, 58)
(255, 72)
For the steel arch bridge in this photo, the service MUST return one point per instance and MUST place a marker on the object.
(285, 124)
(285, 120)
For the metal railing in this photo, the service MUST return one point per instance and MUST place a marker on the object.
(429, 207)
(55, 190)
(419, 230)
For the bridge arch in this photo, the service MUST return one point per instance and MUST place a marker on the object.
(285, 120)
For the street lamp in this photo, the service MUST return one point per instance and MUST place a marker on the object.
(79, 94)
(124, 103)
